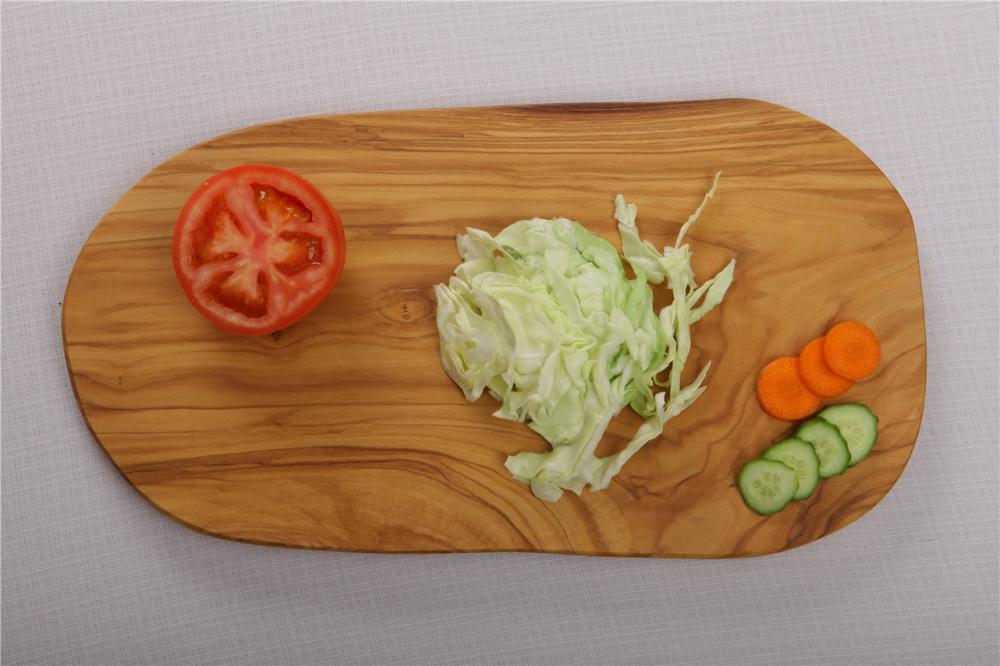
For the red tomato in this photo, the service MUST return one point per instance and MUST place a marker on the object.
(256, 248)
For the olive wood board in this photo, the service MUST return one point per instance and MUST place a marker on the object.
(343, 432)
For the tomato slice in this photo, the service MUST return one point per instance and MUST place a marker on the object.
(256, 248)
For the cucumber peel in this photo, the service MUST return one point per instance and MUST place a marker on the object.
(767, 486)
(857, 425)
(800, 457)
(831, 449)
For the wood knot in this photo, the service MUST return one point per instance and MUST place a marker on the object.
(407, 304)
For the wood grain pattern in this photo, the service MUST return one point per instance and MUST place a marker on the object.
(343, 432)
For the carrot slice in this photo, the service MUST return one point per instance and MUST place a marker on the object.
(817, 375)
(851, 350)
(782, 394)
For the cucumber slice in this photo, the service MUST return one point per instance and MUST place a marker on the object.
(857, 425)
(767, 486)
(831, 449)
(801, 458)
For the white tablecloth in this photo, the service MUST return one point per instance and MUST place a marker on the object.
(95, 95)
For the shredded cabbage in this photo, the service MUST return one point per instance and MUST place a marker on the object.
(544, 318)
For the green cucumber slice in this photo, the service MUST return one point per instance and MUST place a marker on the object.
(857, 425)
(767, 486)
(801, 458)
(831, 449)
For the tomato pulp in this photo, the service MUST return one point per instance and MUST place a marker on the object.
(256, 248)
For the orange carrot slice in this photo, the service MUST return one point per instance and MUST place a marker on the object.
(851, 350)
(817, 375)
(782, 394)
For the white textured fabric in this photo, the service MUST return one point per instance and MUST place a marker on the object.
(95, 95)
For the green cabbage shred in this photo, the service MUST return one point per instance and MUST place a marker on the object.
(544, 318)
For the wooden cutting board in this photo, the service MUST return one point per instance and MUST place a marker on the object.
(343, 432)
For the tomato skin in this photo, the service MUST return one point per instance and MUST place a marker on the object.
(304, 291)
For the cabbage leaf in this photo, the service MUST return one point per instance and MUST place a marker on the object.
(545, 319)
